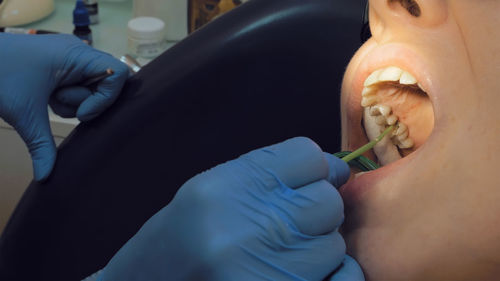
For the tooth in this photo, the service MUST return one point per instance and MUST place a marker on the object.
(420, 86)
(392, 119)
(367, 91)
(401, 128)
(367, 101)
(391, 73)
(374, 111)
(372, 78)
(407, 143)
(380, 109)
(386, 152)
(394, 132)
(407, 79)
(380, 120)
(384, 109)
(402, 136)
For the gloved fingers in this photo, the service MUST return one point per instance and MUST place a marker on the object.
(317, 257)
(107, 90)
(73, 95)
(65, 101)
(295, 162)
(38, 137)
(348, 270)
(338, 170)
(63, 110)
(315, 209)
(93, 106)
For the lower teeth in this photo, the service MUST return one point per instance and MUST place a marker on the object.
(376, 118)
(386, 152)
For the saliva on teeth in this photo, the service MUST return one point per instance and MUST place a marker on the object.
(377, 117)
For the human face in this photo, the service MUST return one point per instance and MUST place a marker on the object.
(435, 213)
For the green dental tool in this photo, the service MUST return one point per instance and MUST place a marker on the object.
(356, 158)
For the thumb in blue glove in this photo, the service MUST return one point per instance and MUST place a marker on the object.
(349, 270)
(32, 69)
(271, 214)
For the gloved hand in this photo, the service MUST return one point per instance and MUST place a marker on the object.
(272, 214)
(349, 270)
(37, 69)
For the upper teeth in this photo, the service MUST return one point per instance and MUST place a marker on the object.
(391, 73)
(388, 74)
(378, 116)
(407, 79)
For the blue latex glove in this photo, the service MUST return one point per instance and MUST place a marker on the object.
(37, 69)
(348, 271)
(272, 214)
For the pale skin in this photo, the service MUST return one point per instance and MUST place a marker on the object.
(435, 214)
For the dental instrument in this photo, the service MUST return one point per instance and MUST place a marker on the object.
(19, 30)
(91, 81)
(356, 158)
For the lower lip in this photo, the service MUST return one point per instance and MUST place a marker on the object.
(354, 190)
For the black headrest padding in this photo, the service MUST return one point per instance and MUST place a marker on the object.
(265, 72)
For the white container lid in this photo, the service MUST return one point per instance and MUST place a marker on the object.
(146, 28)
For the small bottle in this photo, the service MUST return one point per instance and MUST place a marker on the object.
(81, 21)
(93, 10)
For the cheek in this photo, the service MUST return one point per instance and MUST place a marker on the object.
(350, 102)
(421, 120)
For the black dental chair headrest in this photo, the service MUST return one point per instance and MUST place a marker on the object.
(265, 72)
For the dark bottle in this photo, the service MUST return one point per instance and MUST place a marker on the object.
(81, 21)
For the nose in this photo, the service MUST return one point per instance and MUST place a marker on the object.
(397, 14)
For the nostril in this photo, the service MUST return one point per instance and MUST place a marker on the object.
(410, 5)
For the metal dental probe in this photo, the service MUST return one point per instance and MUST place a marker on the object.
(93, 80)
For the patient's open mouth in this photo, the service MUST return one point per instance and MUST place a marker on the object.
(392, 96)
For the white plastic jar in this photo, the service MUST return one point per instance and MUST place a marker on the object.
(174, 13)
(146, 37)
